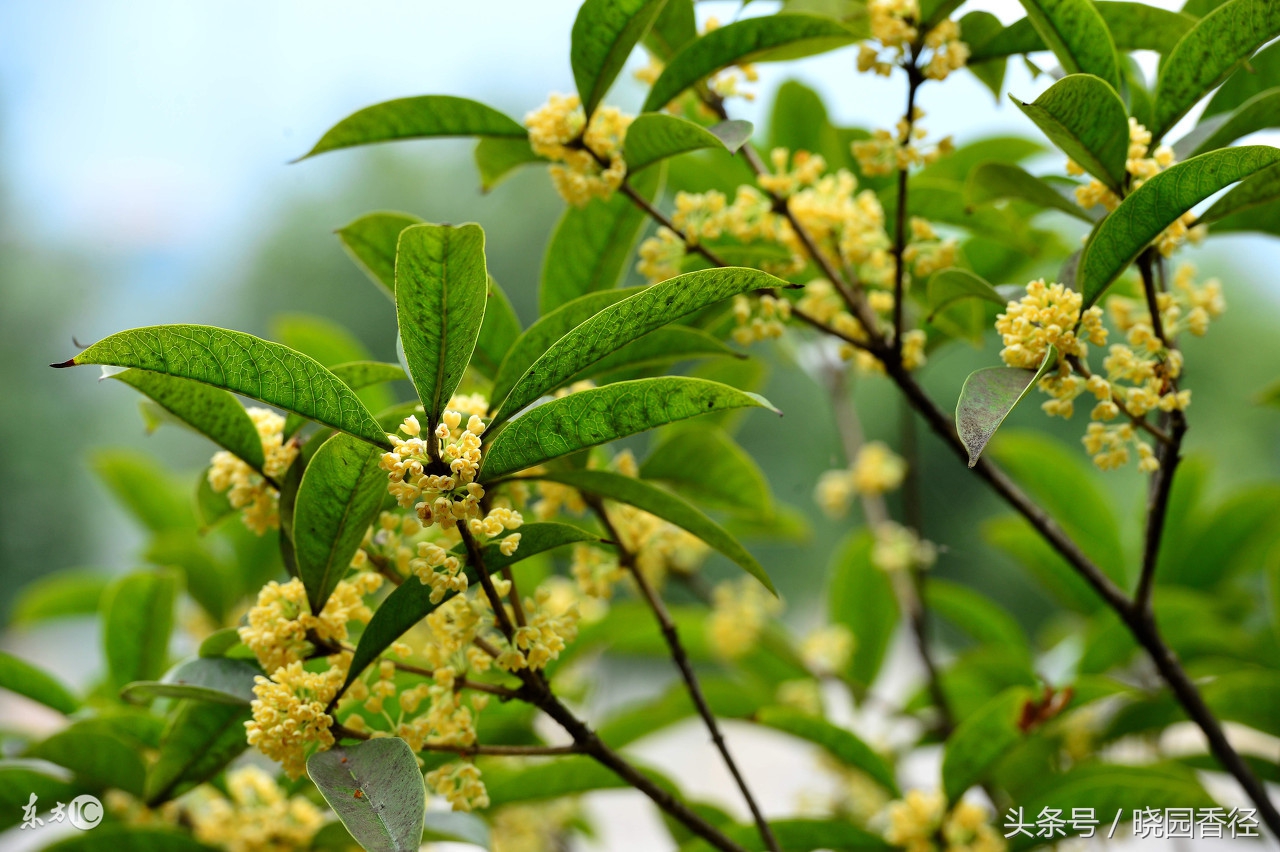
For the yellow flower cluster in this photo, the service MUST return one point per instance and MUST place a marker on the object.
(290, 718)
(823, 303)
(875, 470)
(949, 53)
(887, 152)
(916, 822)
(533, 828)
(827, 650)
(255, 815)
(661, 256)
(248, 491)
(278, 624)
(765, 322)
(460, 783)
(587, 157)
(899, 548)
(1046, 315)
(894, 27)
(927, 252)
(739, 611)
(1141, 163)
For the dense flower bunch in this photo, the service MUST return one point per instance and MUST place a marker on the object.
(248, 490)
(903, 148)
(895, 31)
(291, 712)
(281, 625)
(739, 611)
(823, 303)
(587, 156)
(919, 821)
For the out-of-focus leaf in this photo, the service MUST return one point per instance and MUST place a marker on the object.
(995, 181)
(371, 242)
(803, 835)
(498, 157)
(1155, 205)
(657, 501)
(727, 698)
(1078, 36)
(1221, 536)
(1208, 53)
(709, 466)
(137, 618)
(199, 740)
(241, 363)
(981, 740)
(219, 642)
(25, 679)
(656, 136)
(216, 679)
(456, 827)
(376, 789)
(1257, 191)
(500, 329)
(981, 28)
(1261, 112)
(422, 117)
(675, 27)
(604, 34)
(541, 782)
(860, 597)
(98, 758)
(112, 837)
(1013, 536)
(987, 397)
(975, 614)
(948, 286)
(144, 488)
(1254, 77)
(749, 40)
(1086, 119)
(21, 779)
(213, 584)
(841, 744)
(341, 493)
(73, 592)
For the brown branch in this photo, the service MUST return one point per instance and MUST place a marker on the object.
(914, 79)
(626, 557)
(500, 616)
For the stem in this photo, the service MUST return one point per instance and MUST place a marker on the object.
(914, 79)
(486, 582)
(1141, 422)
(627, 558)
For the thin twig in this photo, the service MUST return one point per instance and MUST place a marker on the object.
(914, 79)
(626, 557)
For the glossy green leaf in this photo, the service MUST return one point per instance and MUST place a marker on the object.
(662, 346)
(841, 744)
(1086, 119)
(214, 413)
(497, 157)
(709, 466)
(1261, 112)
(625, 321)
(98, 758)
(1254, 77)
(359, 376)
(1133, 26)
(604, 34)
(423, 117)
(1078, 36)
(112, 837)
(671, 508)
(599, 415)
(974, 613)
(73, 592)
(590, 245)
(199, 740)
(371, 242)
(500, 329)
(1155, 205)
(220, 642)
(748, 40)
(948, 286)
(25, 679)
(860, 596)
(217, 679)
(1208, 53)
(407, 604)
(655, 136)
(441, 287)
(995, 181)
(535, 538)
(1257, 191)
(241, 363)
(456, 827)
(137, 618)
(341, 493)
(981, 740)
(376, 789)
(987, 397)
(539, 337)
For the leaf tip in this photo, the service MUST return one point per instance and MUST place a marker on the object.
(70, 362)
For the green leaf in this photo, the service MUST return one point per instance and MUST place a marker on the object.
(709, 466)
(975, 614)
(980, 29)
(1084, 117)
(25, 679)
(981, 740)
(803, 835)
(662, 346)
(599, 415)
(59, 595)
(1077, 35)
(535, 538)
(216, 679)
(441, 287)
(220, 642)
(1261, 112)
(1208, 53)
(675, 27)
(987, 397)
(655, 136)
(376, 789)
(948, 286)
(214, 413)
(241, 363)
(1261, 189)
(341, 493)
(371, 242)
(765, 39)
(423, 117)
(500, 329)
(1155, 205)
(144, 488)
(994, 181)
(113, 837)
(98, 758)
(498, 157)
(604, 34)
(1254, 77)
(359, 376)
(543, 781)
(932, 12)
(539, 337)
(590, 245)
(860, 596)
(728, 698)
(212, 506)
(456, 827)
(20, 779)
(628, 320)
(137, 618)
(408, 603)
(657, 501)
(198, 742)
(841, 744)
(1133, 26)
